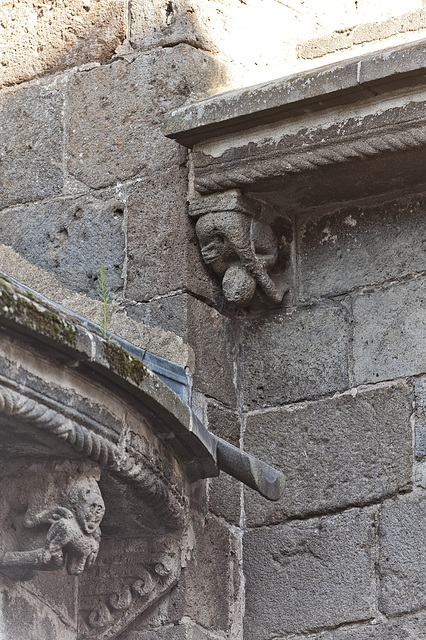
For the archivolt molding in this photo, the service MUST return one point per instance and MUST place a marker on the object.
(161, 496)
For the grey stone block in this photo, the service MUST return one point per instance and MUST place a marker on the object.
(183, 631)
(24, 616)
(390, 332)
(224, 498)
(288, 357)
(70, 238)
(387, 68)
(163, 255)
(420, 418)
(361, 245)
(309, 575)
(116, 111)
(169, 313)
(209, 334)
(212, 576)
(335, 453)
(30, 144)
(402, 560)
(49, 37)
(407, 628)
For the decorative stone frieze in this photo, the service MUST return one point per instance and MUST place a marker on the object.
(239, 246)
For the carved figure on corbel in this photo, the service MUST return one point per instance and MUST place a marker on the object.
(239, 247)
(51, 518)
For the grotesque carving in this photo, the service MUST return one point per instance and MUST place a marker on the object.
(69, 527)
(240, 249)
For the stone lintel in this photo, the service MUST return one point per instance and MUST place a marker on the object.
(300, 94)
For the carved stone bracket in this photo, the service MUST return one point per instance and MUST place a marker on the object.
(51, 512)
(240, 247)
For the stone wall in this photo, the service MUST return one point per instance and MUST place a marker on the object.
(323, 387)
(332, 393)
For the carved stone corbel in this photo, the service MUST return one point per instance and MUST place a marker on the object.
(240, 247)
(51, 512)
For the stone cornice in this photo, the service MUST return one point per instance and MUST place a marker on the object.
(305, 93)
(391, 130)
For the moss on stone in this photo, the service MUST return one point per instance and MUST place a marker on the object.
(123, 363)
(32, 315)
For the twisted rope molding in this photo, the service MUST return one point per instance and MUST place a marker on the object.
(155, 493)
(245, 171)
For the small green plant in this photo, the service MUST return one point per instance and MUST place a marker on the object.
(104, 295)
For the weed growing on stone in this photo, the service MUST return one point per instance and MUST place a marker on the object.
(104, 295)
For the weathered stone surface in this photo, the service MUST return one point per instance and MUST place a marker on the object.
(216, 26)
(169, 312)
(390, 332)
(402, 561)
(420, 418)
(212, 577)
(210, 335)
(115, 113)
(163, 255)
(39, 37)
(357, 34)
(224, 498)
(30, 144)
(24, 616)
(183, 631)
(361, 245)
(406, 628)
(334, 453)
(163, 343)
(287, 357)
(70, 238)
(309, 574)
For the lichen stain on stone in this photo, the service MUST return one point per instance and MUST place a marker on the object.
(28, 313)
(123, 363)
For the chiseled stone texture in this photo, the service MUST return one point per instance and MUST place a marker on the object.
(210, 335)
(70, 238)
(212, 576)
(184, 631)
(402, 561)
(217, 25)
(24, 616)
(357, 34)
(116, 111)
(288, 357)
(361, 245)
(408, 628)
(420, 418)
(163, 255)
(224, 498)
(309, 574)
(30, 144)
(335, 453)
(36, 37)
(390, 331)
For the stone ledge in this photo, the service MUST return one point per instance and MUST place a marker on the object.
(315, 90)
